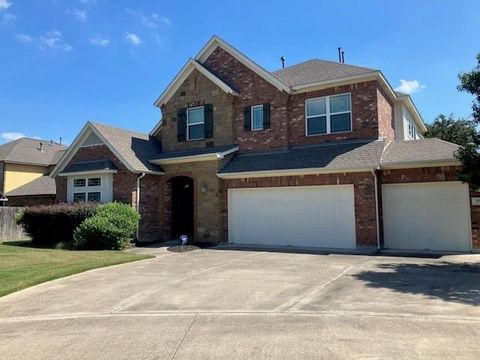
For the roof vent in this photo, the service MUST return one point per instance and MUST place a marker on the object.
(282, 59)
(41, 147)
(341, 55)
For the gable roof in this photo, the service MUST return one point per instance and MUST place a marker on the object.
(132, 148)
(331, 157)
(44, 185)
(419, 151)
(29, 151)
(215, 42)
(315, 70)
(183, 74)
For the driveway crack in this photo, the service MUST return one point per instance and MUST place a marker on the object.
(184, 336)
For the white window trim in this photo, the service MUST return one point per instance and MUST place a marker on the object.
(251, 116)
(328, 114)
(188, 132)
(105, 188)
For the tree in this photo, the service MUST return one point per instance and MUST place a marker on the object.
(469, 154)
(458, 131)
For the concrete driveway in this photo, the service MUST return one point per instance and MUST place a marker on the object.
(226, 304)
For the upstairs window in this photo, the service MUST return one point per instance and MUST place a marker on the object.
(257, 117)
(328, 115)
(195, 123)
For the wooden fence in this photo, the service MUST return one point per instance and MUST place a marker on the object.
(9, 230)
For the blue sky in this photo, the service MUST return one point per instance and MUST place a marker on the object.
(65, 62)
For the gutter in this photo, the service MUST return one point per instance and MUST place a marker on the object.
(137, 200)
(377, 215)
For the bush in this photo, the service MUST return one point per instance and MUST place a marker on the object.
(51, 224)
(111, 228)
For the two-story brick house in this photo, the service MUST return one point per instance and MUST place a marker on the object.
(316, 154)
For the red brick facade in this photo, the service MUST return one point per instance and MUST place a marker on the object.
(364, 195)
(372, 111)
(124, 189)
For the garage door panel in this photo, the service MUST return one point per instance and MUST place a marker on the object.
(433, 216)
(319, 216)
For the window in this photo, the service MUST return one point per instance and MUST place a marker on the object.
(195, 123)
(77, 197)
(257, 117)
(94, 181)
(95, 196)
(95, 189)
(79, 183)
(329, 114)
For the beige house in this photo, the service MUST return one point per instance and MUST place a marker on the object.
(24, 167)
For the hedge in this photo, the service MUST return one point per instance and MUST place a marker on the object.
(111, 228)
(51, 224)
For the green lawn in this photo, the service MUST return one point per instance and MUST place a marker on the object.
(22, 266)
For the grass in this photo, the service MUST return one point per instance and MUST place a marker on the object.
(22, 266)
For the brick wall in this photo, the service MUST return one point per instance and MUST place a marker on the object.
(197, 90)
(364, 194)
(432, 174)
(254, 90)
(124, 189)
(30, 200)
(364, 114)
(386, 122)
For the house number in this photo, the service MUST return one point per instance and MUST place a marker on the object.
(475, 201)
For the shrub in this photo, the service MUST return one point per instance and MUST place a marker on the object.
(51, 224)
(111, 228)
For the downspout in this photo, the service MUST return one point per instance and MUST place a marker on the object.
(377, 216)
(137, 200)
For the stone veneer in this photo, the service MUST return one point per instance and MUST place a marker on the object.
(198, 90)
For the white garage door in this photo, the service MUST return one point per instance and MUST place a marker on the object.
(433, 216)
(316, 216)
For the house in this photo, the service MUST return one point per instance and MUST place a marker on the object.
(24, 167)
(319, 154)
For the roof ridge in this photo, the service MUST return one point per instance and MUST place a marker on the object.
(324, 61)
(95, 124)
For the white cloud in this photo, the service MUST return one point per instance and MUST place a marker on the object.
(53, 40)
(8, 19)
(24, 38)
(133, 39)
(5, 4)
(10, 136)
(409, 86)
(50, 40)
(152, 21)
(100, 41)
(81, 15)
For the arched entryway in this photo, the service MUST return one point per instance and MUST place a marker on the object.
(182, 206)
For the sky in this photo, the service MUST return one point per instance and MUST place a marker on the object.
(65, 62)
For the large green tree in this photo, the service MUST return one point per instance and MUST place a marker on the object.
(469, 155)
(458, 131)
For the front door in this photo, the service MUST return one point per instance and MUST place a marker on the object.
(182, 206)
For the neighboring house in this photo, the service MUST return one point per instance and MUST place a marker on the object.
(24, 167)
(311, 155)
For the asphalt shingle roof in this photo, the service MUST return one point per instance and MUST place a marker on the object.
(344, 155)
(315, 70)
(44, 185)
(415, 151)
(90, 166)
(29, 151)
(136, 148)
